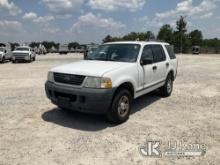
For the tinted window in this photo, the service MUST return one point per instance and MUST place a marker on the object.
(158, 52)
(170, 51)
(147, 53)
(22, 49)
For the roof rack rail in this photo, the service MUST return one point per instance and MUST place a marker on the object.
(155, 40)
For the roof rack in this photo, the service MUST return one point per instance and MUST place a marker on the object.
(155, 40)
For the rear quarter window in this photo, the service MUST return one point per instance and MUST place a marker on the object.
(170, 51)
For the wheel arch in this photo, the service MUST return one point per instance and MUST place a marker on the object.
(172, 74)
(126, 85)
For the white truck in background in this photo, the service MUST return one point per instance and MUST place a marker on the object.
(23, 53)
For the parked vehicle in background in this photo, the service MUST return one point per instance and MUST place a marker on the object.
(196, 49)
(109, 79)
(63, 48)
(23, 53)
(5, 52)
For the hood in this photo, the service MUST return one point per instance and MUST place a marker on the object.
(23, 52)
(89, 68)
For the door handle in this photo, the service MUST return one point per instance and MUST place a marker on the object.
(167, 64)
(154, 67)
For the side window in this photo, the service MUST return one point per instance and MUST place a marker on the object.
(170, 51)
(158, 52)
(147, 52)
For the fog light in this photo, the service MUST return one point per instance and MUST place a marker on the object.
(27, 58)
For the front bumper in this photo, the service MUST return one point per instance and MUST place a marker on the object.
(86, 100)
(21, 58)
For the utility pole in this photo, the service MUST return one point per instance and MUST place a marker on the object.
(181, 41)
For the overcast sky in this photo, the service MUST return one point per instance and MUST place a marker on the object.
(88, 21)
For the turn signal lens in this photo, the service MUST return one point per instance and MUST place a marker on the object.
(106, 83)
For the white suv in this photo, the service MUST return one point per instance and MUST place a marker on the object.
(111, 77)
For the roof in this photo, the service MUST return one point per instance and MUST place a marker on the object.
(137, 42)
(23, 47)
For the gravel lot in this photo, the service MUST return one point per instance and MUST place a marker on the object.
(34, 131)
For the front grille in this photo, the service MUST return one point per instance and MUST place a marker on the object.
(69, 79)
(20, 55)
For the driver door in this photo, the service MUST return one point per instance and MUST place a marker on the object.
(146, 71)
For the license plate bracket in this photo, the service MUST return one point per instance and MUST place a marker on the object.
(64, 102)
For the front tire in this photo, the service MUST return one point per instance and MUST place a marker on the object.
(167, 89)
(121, 107)
(3, 60)
(30, 60)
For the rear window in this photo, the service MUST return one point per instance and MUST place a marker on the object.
(170, 51)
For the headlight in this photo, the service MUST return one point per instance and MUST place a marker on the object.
(98, 82)
(50, 76)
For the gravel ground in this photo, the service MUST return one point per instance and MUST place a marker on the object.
(34, 131)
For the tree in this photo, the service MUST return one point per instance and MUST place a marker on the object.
(34, 44)
(196, 37)
(49, 44)
(181, 33)
(73, 45)
(108, 38)
(14, 45)
(165, 34)
(150, 35)
(131, 36)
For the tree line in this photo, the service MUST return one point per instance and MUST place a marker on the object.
(182, 40)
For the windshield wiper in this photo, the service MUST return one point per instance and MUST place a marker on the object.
(89, 59)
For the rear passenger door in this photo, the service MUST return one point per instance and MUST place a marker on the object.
(159, 63)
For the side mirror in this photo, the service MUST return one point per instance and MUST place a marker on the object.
(146, 61)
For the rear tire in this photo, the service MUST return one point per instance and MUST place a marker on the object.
(167, 89)
(121, 107)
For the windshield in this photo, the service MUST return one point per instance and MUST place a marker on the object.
(115, 52)
(22, 49)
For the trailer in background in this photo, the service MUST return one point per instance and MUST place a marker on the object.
(63, 49)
